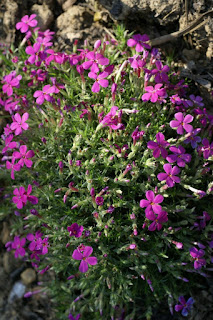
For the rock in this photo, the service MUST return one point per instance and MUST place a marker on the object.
(28, 276)
(190, 54)
(67, 4)
(9, 262)
(17, 291)
(5, 234)
(44, 16)
(71, 23)
(9, 19)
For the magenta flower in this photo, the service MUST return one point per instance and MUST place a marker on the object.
(193, 138)
(159, 146)
(112, 119)
(182, 122)
(35, 240)
(75, 230)
(71, 317)
(13, 167)
(26, 22)
(85, 258)
(179, 156)
(152, 202)
(170, 175)
(19, 123)
(139, 41)
(20, 198)
(99, 201)
(99, 80)
(18, 245)
(11, 81)
(9, 144)
(136, 135)
(93, 60)
(184, 305)
(45, 94)
(197, 100)
(161, 75)
(42, 245)
(34, 52)
(32, 199)
(197, 255)
(157, 219)
(24, 156)
(207, 148)
(153, 93)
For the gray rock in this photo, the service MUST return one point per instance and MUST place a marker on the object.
(9, 262)
(67, 4)
(9, 19)
(5, 233)
(17, 292)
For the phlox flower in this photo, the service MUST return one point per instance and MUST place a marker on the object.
(24, 156)
(99, 201)
(75, 230)
(9, 144)
(85, 258)
(93, 60)
(136, 62)
(11, 81)
(206, 148)
(112, 119)
(184, 305)
(32, 199)
(57, 57)
(157, 219)
(136, 135)
(99, 80)
(175, 99)
(18, 245)
(153, 93)
(71, 317)
(139, 41)
(13, 167)
(34, 240)
(197, 100)
(26, 22)
(159, 146)
(192, 138)
(45, 94)
(19, 123)
(182, 123)
(170, 175)
(20, 198)
(152, 202)
(178, 156)
(34, 52)
(197, 256)
(161, 75)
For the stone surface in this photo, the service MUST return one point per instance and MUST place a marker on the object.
(5, 233)
(9, 262)
(9, 19)
(28, 276)
(17, 291)
(44, 16)
(67, 4)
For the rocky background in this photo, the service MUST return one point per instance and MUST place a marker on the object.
(90, 20)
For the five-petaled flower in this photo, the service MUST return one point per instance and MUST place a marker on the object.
(44, 94)
(24, 156)
(18, 245)
(153, 93)
(11, 81)
(139, 41)
(157, 219)
(179, 156)
(184, 305)
(85, 258)
(100, 80)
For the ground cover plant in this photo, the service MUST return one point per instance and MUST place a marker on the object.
(107, 160)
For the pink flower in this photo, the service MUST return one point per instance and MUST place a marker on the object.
(13, 167)
(153, 93)
(113, 120)
(18, 245)
(44, 94)
(93, 60)
(178, 155)
(197, 255)
(26, 22)
(9, 144)
(139, 41)
(19, 123)
(20, 198)
(182, 122)
(99, 80)
(170, 175)
(85, 258)
(207, 148)
(159, 146)
(152, 202)
(11, 81)
(157, 219)
(24, 156)
(34, 52)
(75, 230)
